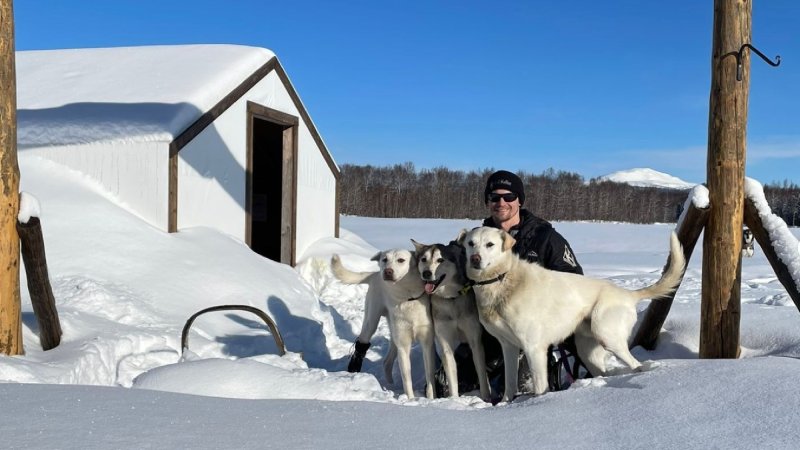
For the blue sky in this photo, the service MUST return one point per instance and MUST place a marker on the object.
(587, 87)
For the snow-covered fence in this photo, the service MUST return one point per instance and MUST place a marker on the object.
(689, 226)
(780, 247)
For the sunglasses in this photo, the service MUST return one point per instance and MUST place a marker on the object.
(508, 197)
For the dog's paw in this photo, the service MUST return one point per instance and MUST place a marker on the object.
(589, 382)
(646, 366)
(649, 365)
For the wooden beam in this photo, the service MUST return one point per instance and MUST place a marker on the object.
(753, 221)
(655, 315)
(209, 116)
(10, 304)
(172, 189)
(727, 124)
(42, 299)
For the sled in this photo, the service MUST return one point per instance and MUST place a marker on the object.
(266, 318)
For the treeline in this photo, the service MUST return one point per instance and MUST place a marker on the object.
(402, 191)
(784, 200)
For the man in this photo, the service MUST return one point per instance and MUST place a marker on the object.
(536, 241)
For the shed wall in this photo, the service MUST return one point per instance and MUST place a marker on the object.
(134, 172)
(211, 172)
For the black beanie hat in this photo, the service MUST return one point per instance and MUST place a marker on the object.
(503, 179)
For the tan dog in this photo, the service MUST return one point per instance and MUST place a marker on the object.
(455, 315)
(528, 307)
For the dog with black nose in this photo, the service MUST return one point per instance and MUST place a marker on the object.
(455, 315)
(397, 292)
(748, 245)
(527, 307)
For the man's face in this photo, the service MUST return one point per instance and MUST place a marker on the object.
(501, 210)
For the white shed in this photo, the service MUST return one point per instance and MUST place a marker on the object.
(186, 136)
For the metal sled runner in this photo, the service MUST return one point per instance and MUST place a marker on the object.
(266, 318)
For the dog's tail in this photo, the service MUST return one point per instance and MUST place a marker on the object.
(345, 275)
(672, 276)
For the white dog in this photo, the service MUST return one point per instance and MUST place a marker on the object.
(528, 307)
(455, 315)
(397, 291)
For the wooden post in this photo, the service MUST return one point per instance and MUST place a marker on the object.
(10, 319)
(42, 299)
(727, 123)
(656, 313)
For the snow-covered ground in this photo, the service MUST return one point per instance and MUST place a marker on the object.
(124, 291)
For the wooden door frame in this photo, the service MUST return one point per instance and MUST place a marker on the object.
(289, 177)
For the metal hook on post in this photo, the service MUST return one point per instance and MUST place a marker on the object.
(763, 56)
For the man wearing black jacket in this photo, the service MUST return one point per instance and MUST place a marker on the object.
(536, 241)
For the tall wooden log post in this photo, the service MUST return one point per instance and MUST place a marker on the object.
(727, 123)
(10, 320)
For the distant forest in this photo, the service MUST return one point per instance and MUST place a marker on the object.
(402, 191)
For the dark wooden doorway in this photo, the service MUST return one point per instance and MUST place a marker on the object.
(271, 186)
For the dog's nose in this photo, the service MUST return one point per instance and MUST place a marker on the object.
(476, 258)
(426, 274)
(388, 272)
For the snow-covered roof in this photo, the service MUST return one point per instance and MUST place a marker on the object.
(150, 93)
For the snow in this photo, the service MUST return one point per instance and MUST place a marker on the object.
(785, 244)
(644, 177)
(28, 207)
(148, 93)
(124, 291)
(698, 197)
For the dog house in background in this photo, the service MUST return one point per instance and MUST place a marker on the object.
(186, 136)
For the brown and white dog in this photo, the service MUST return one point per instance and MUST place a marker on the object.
(528, 307)
(455, 315)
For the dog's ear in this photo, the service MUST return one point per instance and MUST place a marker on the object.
(461, 235)
(417, 246)
(508, 241)
(376, 257)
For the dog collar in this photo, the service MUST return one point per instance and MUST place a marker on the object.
(417, 297)
(484, 282)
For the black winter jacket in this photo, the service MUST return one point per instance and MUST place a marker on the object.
(539, 242)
